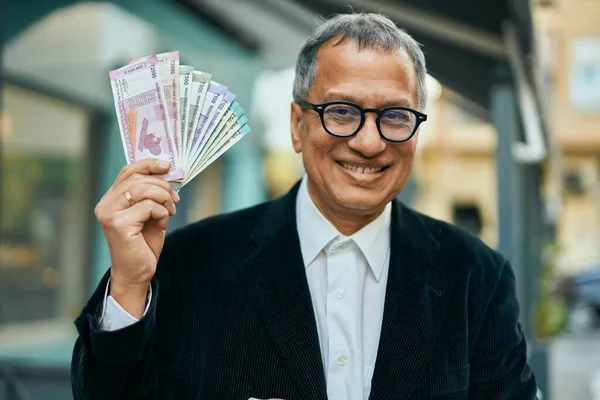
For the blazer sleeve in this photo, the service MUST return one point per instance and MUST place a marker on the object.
(499, 368)
(136, 362)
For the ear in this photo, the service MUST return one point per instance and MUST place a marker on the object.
(296, 125)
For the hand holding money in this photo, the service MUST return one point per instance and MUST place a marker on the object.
(174, 123)
(174, 113)
(134, 215)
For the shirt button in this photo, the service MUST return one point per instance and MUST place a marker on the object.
(343, 361)
(340, 294)
(344, 246)
(108, 323)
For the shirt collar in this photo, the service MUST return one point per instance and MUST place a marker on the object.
(315, 232)
(374, 241)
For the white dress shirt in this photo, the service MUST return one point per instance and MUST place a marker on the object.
(347, 279)
(114, 316)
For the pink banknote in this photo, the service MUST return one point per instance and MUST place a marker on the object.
(168, 69)
(144, 120)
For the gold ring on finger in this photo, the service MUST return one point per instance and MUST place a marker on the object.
(128, 197)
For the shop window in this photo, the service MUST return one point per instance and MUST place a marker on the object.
(468, 216)
(573, 184)
(45, 209)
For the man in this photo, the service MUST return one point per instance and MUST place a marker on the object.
(335, 291)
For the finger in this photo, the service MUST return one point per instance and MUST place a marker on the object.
(162, 223)
(141, 191)
(145, 180)
(143, 212)
(147, 166)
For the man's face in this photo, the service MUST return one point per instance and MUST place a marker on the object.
(371, 79)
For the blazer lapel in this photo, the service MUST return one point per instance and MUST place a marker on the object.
(413, 310)
(277, 284)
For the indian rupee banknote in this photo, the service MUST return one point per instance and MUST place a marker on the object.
(143, 115)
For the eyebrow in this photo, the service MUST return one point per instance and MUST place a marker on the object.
(402, 102)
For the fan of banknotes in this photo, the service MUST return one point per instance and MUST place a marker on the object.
(175, 113)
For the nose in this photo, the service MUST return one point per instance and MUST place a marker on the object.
(367, 141)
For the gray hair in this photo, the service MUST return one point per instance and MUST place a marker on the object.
(372, 31)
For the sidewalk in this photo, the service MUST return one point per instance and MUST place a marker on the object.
(575, 368)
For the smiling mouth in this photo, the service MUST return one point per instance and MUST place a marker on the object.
(362, 170)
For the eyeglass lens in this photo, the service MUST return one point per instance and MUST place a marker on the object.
(345, 119)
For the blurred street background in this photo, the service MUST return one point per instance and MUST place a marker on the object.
(511, 152)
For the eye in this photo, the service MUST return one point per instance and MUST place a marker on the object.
(341, 111)
(397, 117)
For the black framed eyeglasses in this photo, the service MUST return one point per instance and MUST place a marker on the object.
(345, 119)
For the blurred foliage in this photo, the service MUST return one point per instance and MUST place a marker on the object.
(550, 310)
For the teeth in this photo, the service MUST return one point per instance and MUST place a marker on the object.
(361, 170)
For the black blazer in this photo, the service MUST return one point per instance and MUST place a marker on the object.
(231, 317)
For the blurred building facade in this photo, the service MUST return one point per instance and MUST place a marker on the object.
(456, 173)
(569, 35)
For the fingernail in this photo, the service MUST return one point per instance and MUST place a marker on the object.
(176, 195)
(164, 164)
